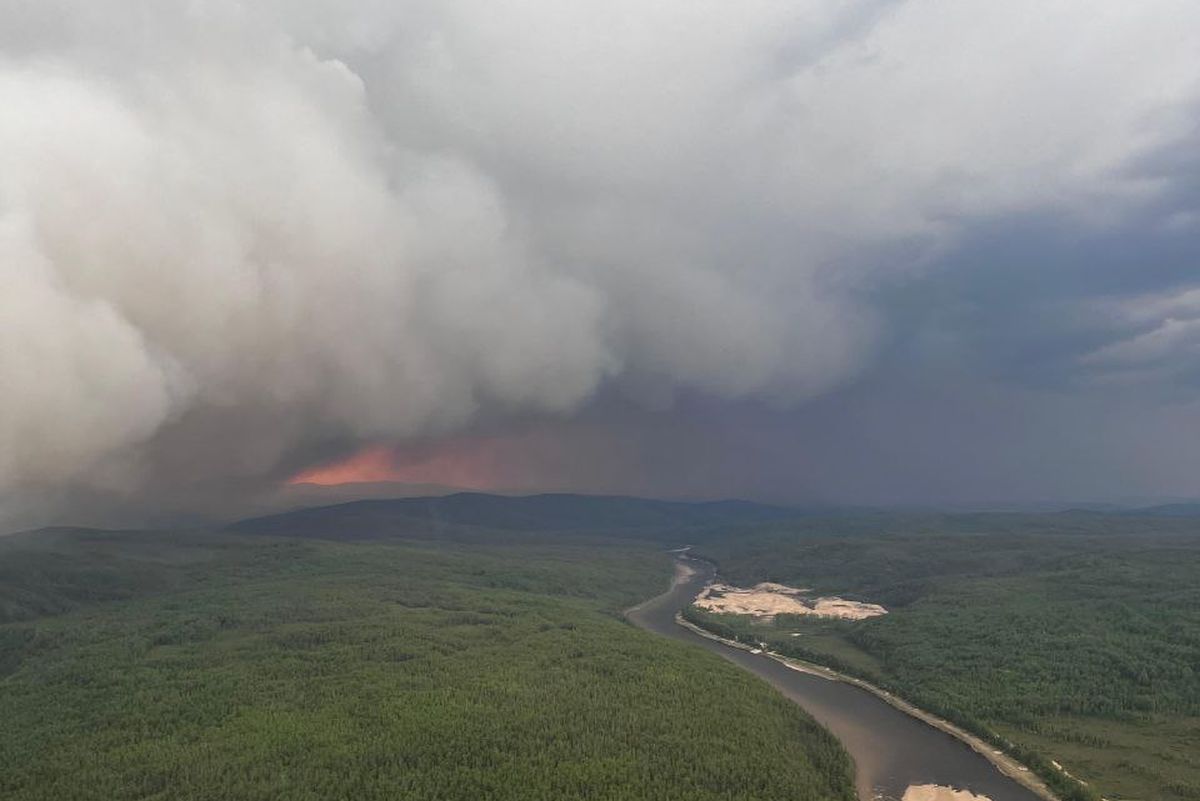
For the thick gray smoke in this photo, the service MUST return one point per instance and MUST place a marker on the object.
(232, 233)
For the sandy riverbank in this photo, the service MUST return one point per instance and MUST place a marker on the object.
(766, 600)
(1004, 763)
(934, 792)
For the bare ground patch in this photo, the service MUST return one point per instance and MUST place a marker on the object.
(766, 600)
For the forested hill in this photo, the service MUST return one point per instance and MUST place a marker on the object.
(211, 666)
(533, 513)
(1167, 510)
(1075, 636)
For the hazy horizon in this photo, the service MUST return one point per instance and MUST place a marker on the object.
(888, 253)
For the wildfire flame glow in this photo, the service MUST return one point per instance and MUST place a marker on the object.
(373, 464)
(467, 465)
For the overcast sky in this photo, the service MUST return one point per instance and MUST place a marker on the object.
(901, 251)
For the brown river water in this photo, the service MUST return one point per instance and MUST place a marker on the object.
(894, 753)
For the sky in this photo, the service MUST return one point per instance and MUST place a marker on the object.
(813, 251)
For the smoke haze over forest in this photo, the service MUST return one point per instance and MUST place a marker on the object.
(898, 251)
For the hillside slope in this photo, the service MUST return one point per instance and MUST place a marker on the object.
(533, 513)
(214, 667)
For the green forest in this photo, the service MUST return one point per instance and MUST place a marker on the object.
(1068, 638)
(416, 652)
(465, 665)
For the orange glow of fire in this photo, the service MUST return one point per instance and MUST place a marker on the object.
(374, 464)
(468, 465)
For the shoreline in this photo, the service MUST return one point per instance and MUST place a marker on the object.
(1004, 763)
(682, 573)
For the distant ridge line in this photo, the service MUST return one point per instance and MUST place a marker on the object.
(542, 512)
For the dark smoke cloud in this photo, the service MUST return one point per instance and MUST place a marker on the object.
(237, 238)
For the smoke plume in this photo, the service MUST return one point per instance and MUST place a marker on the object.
(237, 237)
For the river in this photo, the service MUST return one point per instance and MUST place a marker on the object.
(892, 751)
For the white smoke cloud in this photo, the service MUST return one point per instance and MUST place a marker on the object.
(243, 229)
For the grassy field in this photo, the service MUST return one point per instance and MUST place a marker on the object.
(228, 666)
(1077, 637)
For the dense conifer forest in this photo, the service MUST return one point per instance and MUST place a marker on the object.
(434, 656)
(469, 665)
(1070, 638)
